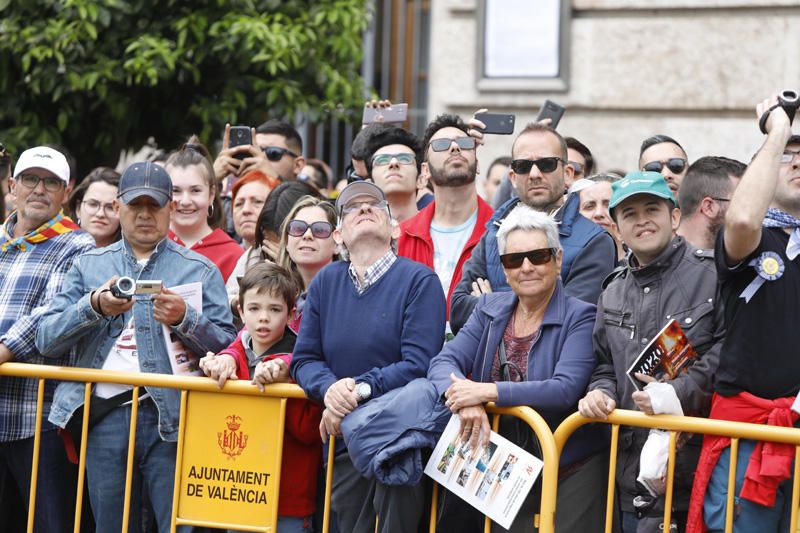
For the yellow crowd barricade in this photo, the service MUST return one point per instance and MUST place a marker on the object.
(203, 405)
(688, 424)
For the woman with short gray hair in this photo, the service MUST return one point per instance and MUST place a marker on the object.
(530, 346)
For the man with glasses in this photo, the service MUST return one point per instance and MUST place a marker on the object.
(538, 172)
(664, 279)
(580, 158)
(704, 197)
(759, 369)
(393, 162)
(663, 154)
(37, 246)
(371, 324)
(444, 234)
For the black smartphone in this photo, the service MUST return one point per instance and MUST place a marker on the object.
(497, 123)
(551, 110)
(240, 136)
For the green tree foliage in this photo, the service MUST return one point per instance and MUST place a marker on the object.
(101, 75)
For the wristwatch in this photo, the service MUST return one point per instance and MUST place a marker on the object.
(363, 391)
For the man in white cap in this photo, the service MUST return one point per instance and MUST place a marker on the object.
(37, 246)
(371, 324)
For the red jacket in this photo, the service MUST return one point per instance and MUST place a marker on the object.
(302, 448)
(770, 462)
(219, 248)
(415, 240)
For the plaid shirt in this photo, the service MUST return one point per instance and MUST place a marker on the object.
(373, 273)
(28, 282)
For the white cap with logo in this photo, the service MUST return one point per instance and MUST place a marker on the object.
(43, 157)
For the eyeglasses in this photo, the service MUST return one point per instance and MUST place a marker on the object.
(545, 164)
(31, 181)
(577, 166)
(675, 165)
(441, 145)
(275, 153)
(372, 204)
(93, 206)
(536, 257)
(721, 199)
(381, 160)
(788, 156)
(319, 229)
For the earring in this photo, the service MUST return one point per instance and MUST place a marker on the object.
(210, 210)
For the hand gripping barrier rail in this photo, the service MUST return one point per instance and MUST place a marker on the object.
(279, 393)
(675, 424)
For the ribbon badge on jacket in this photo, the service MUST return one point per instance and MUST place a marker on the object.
(769, 265)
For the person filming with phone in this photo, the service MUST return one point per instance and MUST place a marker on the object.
(102, 314)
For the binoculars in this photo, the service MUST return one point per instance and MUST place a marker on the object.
(789, 101)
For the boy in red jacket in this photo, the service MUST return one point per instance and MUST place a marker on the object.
(262, 352)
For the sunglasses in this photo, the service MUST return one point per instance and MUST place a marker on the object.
(382, 160)
(545, 164)
(675, 165)
(577, 166)
(276, 153)
(442, 145)
(319, 229)
(536, 257)
(31, 181)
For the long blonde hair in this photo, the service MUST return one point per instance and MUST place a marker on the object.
(283, 255)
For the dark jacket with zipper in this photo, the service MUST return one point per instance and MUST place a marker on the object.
(560, 362)
(635, 305)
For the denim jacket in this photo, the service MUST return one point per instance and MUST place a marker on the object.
(71, 321)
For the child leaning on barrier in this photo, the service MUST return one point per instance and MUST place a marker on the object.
(262, 352)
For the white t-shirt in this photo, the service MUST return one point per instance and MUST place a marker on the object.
(448, 243)
(123, 356)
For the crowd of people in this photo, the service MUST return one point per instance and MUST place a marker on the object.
(415, 278)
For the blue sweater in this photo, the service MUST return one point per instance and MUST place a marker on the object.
(385, 336)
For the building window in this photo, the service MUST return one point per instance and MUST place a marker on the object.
(523, 45)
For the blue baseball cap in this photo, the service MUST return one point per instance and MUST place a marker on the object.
(145, 179)
(640, 182)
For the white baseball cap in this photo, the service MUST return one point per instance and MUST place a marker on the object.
(43, 157)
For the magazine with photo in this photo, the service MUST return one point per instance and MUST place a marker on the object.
(666, 356)
(494, 479)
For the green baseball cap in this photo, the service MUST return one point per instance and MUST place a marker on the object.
(640, 182)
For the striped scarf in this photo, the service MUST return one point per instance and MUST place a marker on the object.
(54, 227)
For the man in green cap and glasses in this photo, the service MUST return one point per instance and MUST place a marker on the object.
(665, 279)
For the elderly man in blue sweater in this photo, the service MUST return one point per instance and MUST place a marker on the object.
(370, 324)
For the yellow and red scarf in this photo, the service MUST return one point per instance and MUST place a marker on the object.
(54, 227)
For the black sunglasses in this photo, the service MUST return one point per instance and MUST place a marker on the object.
(545, 164)
(275, 153)
(319, 229)
(464, 143)
(675, 165)
(536, 257)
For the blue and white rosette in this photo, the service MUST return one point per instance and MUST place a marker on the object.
(769, 267)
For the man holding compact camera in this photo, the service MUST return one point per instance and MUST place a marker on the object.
(146, 331)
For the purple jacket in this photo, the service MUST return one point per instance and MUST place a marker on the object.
(560, 363)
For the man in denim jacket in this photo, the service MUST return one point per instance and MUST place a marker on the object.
(117, 333)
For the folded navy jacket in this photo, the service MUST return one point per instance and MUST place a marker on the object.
(385, 436)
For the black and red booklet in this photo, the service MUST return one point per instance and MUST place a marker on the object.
(667, 355)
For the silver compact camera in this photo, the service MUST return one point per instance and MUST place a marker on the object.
(126, 287)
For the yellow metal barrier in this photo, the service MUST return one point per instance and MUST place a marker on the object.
(675, 424)
(137, 380)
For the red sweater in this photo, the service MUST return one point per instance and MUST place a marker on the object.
(219, 248)
(302, 448)
(770, 463)
(415, 240)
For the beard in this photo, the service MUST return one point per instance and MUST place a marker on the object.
(455, 178)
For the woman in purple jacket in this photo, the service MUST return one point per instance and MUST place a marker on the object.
(531, 346)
